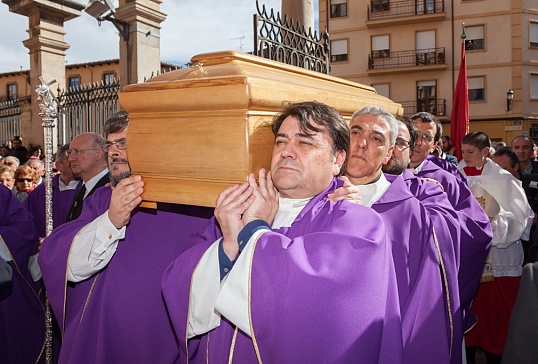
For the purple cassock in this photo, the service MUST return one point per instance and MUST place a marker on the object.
(61, 203)
(322, 290)
(446, 223)
(422, 268)
(118, 315)
(476, 233)
(22, 316)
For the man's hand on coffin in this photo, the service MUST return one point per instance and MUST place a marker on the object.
(265, 205)
(231, 204)
(125, 197)
(348, 192)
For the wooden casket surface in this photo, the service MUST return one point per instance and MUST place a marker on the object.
(195, 131)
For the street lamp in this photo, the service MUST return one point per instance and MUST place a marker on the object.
(98, 8)
(509, 99)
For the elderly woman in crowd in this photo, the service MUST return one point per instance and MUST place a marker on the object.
(7, 176)
(25, 181)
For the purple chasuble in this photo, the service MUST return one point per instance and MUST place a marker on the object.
(322, 290)
(447, 166)
(118, 315)
(446, 223)
(61, 202)
(426, 323)
(476, 233)
(22, 316)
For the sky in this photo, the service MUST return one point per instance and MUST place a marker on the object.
(191, 27)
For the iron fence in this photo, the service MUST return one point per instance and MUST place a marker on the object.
(282, 41)
(385, 9)
(85, 108)
(417, 57)
(435, 107)
(10, 120)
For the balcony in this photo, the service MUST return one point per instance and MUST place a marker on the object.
(382, 12)
(435, 107)
(431, 59)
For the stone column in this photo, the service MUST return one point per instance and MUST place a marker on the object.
(301, 11)
(141, 55)
(47, 48)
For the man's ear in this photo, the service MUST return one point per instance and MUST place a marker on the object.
(340, 158)
(485, 152)
(434, 145)
(389, 154)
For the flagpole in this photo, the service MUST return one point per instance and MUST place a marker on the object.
(459, 118)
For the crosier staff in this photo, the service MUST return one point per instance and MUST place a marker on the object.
(48, 114)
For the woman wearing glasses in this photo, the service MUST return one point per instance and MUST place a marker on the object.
(25, 181)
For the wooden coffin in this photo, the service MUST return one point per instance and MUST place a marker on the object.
(195, 131)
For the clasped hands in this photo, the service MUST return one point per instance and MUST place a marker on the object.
(240, 204)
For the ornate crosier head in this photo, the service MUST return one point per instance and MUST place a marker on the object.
(46, 99)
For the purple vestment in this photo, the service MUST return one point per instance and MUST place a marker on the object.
(443, 216)
(476, 233)
(22, 316)
(61, 202)
(447, 166)
(118, 315)
(322, 290)
(426, 323)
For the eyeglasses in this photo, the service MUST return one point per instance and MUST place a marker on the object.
(121, 144)
(78, 151)
(24, 180)
(402, 143)
(426, 137)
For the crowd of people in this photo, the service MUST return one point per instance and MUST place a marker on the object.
(365, 242)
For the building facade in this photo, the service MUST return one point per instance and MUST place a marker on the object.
(17, 95)
(410, 51)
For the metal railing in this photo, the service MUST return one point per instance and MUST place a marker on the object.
(85, 108)
(435, 107)
(282, 41)
(384, 9)
(418, 57)
(10, 120)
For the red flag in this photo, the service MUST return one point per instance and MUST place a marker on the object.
(459, 119)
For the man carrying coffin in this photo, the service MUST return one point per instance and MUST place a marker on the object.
(289, 276)
(103, 270)
(422, 262)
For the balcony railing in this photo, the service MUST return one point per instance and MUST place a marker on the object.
(385, 9)
(419, 57)
(435, 107)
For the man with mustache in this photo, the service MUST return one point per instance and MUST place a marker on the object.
(103, 271)
(283, 274)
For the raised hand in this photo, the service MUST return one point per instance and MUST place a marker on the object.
(126, 195)
(348, 192)
(265, 205)
(231, 204)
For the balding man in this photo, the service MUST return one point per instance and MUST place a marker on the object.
(523, 146)
(88, 159)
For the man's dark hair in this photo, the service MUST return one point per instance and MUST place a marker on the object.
(321, 114)
(509, 153)
(447, 138)
(429, 118)
(116, 122)
(477, 139)
(413, 132)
